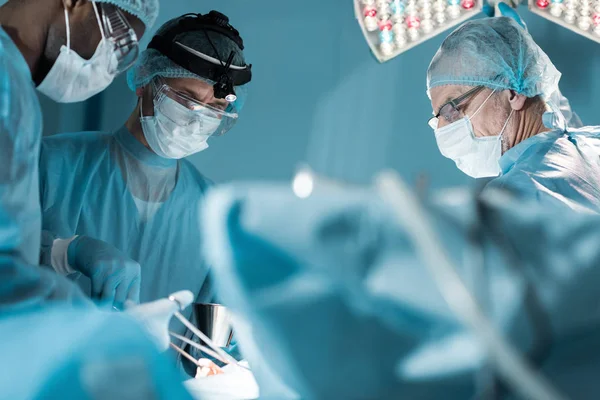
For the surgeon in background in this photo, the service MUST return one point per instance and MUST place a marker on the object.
(489, 85)
(130, 194)
(67, 50)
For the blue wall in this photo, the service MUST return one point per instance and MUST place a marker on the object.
(319, 95)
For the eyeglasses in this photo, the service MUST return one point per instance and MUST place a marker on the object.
(119, 32)
(450, 111)
(189, 110)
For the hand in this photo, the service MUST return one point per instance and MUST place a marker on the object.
(155, 316)
(115, 277)
(508, 11)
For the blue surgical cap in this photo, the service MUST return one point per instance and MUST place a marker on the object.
(153, 63)
(145, 10)
(496, 53)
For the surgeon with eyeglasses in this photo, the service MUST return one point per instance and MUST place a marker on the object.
(120, 210)
(498, 114)
(70, 50)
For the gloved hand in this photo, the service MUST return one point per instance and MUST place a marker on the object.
(505, 11)
(155, 316)
(115, 277)
(508, 11)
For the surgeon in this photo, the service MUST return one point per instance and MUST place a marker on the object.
(490, 87)
(131, 194)
(70, 50)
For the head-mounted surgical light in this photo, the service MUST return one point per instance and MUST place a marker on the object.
(219, 70)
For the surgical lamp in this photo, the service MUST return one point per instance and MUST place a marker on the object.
(392, 27)
(580, 16)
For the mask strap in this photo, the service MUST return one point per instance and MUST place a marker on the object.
(482, 104)
(98, 19)
(68, 29)
(142, 106)
(506, 123)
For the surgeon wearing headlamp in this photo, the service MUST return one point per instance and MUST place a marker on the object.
(121, 208)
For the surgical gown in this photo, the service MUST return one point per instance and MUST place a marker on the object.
(557, 166)
(70, 353)
(112, 188)
(22, 282)
(335, 301)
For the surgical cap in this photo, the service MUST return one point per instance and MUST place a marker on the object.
(496, 53)
(153, 63)
(145, 10)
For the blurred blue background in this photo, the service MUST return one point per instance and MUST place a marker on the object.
(318, 94)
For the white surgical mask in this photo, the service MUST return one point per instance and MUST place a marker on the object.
(477, 157)
(72, 78)
(171, 140)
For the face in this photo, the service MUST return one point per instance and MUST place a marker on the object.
(85, 30)
(488, 121)
(198, 90)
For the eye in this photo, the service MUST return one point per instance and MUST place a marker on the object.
(450, 113)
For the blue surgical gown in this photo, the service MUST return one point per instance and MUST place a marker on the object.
(336, 301)
(72, 353)
(110, 187)
(22, 282)
(557, 166)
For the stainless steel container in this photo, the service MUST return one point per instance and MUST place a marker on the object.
(214, 321)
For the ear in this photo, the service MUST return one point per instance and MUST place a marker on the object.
(517, 101)
(139, 92)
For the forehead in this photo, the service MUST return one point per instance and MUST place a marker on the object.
(443, 94)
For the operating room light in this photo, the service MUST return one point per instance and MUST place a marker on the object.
(303, 184)
(580, 16)
(393, 26)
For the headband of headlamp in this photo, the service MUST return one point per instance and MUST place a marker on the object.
(220, 69)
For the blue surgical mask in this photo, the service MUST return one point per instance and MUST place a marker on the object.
(170, 139)
(475, 156)
(72, 78)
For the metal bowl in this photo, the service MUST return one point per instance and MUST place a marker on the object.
(214, 321)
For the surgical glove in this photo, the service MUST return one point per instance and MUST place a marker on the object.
(488, 9)
(155, 316)
(115, 277)
(508, 11)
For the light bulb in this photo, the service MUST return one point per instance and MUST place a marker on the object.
(400, 40)
(454, 11)
(542, 4)
(413, 33)
(371, 23)
(570, 17)
(427, 25)
(556, 9)
(303, 184)
(386, 48)
(584, 23)
(386, 36)
(468, 4)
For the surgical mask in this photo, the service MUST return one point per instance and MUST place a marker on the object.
(72, 78)
(477, 157)
(170, 139)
